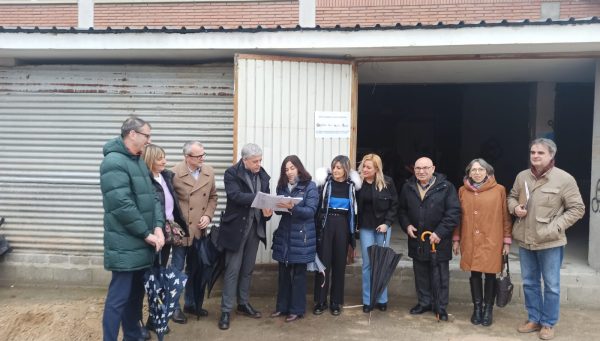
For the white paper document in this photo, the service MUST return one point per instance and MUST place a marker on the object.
(264, 200)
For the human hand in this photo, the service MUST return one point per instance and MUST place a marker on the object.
(506, 249)
(433, 238)
(456, 247)
(158, 232)
(287, 205)
(153, 240)
(267, 212)
(204, 221)
(411, 230)
(520, 211)
(382, 228)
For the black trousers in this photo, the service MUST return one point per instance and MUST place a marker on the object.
(424, 286)
(332, 251)
(291, 294)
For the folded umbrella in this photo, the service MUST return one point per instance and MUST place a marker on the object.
(435, 278)
(163, 286)
(207, 263)
(383, 264)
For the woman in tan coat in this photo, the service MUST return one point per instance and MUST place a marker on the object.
(483, 235)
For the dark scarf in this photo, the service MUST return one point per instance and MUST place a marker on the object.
(477, 185)
(537, 174)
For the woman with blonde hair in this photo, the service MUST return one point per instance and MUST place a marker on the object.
(377, 209)
(162, 179)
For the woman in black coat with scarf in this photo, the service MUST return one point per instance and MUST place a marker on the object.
(294, 241)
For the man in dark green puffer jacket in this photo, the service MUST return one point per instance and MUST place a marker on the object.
(133, 222)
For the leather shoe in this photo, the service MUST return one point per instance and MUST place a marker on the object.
(246, 309)
(529, 327)
(224, 321)
(335, 309)
(367, 308)
(382, 306)
(419, 309)
(443, 315)
(179, 316)
(278, 314)
(319, 308)
(292, 317)
(191, 310)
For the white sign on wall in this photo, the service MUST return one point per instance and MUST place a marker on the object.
(334, 124)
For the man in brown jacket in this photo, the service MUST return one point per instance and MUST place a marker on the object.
(194, 184)
(546, 202)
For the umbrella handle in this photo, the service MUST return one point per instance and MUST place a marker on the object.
(428, 233)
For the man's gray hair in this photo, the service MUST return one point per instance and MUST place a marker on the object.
(132, 123)
(187, 147)
(546, 142)
(488, 168)
(250, 150)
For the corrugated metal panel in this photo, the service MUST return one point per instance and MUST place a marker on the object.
(276, 102)
(54, 121)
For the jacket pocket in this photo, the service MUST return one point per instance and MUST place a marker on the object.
(546, 231)
(550, 197)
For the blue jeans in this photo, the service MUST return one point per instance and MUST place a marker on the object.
(369, 237)
(123, 305)
(536, 265)
(178, 254)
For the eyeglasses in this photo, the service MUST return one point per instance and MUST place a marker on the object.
(201, 156)
(422, 169)
(477, 170)
(147, 135)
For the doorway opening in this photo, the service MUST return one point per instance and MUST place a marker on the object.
(455, 123)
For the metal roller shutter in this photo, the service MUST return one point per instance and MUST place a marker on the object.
(54, 120)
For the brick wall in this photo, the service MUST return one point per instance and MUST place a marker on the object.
(38, 15)
(229, 15)
(285, 13)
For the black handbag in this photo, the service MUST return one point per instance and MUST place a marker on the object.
(504, 285)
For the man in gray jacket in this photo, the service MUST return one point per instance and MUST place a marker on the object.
(546, 202)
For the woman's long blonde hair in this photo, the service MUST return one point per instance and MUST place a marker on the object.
(379, 179)
(152, 153)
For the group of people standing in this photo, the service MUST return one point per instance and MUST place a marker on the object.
(339, 206)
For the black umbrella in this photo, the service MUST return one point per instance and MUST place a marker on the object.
(163, 286)
(207, 263)
(435, 277)
(383, 263)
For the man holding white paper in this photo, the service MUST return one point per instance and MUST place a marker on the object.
(546, 201)
(242, 228)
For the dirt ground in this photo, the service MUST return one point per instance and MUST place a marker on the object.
(33, 313)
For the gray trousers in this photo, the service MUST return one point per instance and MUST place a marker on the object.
(239, 266)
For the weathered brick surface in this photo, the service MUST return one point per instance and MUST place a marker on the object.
(285, 13)
(38, 15)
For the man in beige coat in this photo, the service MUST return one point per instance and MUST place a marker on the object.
(194, 184)
(546, 202)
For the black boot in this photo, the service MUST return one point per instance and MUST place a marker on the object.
(488, 301)
(477, 297)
